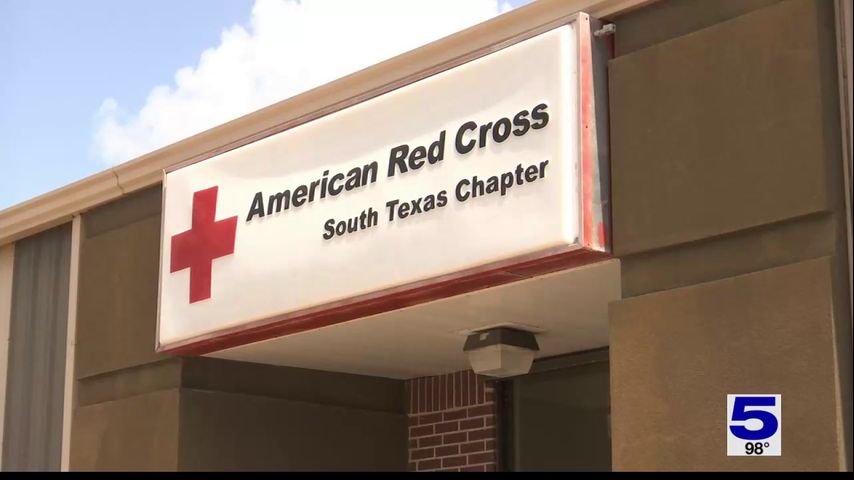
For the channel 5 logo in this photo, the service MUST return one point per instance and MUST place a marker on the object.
(754, 425)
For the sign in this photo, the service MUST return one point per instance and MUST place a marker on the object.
(754, 425)
(484, 173)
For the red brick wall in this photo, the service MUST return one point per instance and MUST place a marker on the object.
(451, 423)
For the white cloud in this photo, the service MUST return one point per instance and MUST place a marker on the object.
(288, 47)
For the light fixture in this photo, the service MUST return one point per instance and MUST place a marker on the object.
(501, 352)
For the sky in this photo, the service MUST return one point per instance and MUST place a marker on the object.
(89, 84)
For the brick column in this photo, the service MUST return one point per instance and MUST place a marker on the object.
(451, 423)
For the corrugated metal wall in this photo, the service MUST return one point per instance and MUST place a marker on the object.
(36, 362)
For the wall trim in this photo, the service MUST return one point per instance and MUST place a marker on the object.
(70, 393)
(843, 52)
(59, 206)
(7, 264)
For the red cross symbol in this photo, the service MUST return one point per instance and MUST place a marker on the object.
(208, 239)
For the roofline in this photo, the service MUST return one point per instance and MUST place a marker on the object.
(61, 205)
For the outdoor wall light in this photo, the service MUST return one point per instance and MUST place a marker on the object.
(501, 352)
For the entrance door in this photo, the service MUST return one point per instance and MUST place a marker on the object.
(557, 416)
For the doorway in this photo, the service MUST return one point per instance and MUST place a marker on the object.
(557, 418)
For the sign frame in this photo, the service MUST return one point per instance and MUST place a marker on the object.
(594, 239)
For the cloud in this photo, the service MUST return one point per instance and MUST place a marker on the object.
(289, 46)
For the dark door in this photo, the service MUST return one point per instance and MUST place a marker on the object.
(557, 417)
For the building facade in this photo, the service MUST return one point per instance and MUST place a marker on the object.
(728, 272)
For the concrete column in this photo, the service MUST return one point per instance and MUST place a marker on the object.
(676, 354)
(729, 220)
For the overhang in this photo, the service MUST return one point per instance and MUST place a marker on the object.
(566, 310)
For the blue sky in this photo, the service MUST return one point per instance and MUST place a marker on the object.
(62, 58)
(64, 61)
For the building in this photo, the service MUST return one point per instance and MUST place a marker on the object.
(722, 266)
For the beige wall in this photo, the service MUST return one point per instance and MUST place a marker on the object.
(137, 410)
(125, 416)
(676, 354)
(726, 154)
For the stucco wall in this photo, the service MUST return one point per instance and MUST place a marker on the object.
(725, 160)
(138, 410)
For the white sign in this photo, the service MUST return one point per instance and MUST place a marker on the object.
(467, 172)
(754, 425)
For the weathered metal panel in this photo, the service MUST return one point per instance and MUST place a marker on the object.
(36, 366)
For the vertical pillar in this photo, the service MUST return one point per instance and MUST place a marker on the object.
(729, 221)
(7, 261)
(451, 423)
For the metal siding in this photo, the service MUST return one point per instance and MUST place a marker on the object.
(36, 363)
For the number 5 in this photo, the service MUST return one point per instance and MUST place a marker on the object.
(740, 413)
